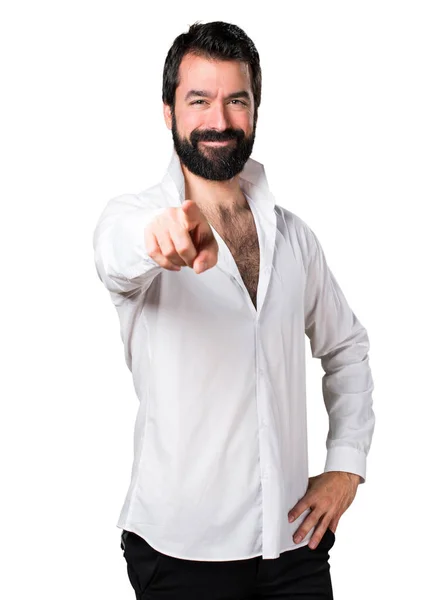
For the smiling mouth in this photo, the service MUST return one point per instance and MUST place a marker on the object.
(224, 143)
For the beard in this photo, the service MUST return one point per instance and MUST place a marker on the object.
(217, 163)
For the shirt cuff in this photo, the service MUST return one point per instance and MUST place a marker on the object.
(346, 458)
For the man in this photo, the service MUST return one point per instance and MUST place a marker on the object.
(215, 286)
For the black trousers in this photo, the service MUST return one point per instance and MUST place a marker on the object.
(299, 574)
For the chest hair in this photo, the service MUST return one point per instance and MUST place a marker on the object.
(238, 230)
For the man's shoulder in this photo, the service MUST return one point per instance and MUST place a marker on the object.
(153, 196)
(292, 221)
(296, 230)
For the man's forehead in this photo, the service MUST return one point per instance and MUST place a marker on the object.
(197, 70)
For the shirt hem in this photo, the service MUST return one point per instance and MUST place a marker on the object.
(133, 529)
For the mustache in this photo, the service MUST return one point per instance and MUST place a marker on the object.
(216, 136)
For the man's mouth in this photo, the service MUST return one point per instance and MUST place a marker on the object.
(224, 143)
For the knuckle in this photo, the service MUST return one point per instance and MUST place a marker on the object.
(168, 253)
(183, 247)
(153, 250)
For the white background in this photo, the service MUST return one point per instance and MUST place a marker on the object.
(348, 133)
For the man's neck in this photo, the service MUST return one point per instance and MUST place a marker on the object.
(214, 196)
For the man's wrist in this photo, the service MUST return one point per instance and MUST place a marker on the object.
(354, 477)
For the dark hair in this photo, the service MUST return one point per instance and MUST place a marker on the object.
(217, 40)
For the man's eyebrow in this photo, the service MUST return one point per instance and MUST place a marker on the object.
(206, 94)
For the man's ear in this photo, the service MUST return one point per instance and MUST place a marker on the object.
(167, 113)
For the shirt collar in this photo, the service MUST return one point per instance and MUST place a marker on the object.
(253, 181)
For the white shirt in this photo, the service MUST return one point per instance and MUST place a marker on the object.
(220, 438)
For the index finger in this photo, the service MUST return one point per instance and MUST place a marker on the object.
(183, 243)
(191, 214)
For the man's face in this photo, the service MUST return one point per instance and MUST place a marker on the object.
(213, 103)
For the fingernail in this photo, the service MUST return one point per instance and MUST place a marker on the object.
(203, 267)
(298, 538)
(291, 519)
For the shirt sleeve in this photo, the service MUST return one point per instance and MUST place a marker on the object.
(341, 342)
(120, 256)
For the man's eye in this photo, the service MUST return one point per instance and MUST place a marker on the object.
(234, 100)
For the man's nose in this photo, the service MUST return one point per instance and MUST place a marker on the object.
(217, 117)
